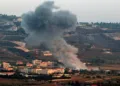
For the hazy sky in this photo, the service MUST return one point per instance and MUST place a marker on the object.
(86, 10)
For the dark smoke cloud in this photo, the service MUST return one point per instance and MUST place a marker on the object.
(47, 24)
(44, 18)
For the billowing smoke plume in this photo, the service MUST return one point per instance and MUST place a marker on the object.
(47, 25)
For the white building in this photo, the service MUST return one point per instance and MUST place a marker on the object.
(42, 71)
(6, 65)
(36, 62)
(13, 28)
(47, 53)
(46, 64)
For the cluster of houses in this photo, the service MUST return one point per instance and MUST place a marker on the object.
(35, 67)
(10, 25)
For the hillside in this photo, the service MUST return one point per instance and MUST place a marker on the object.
(97, 42)
(12, 44)
(10, 31)
(96, 45)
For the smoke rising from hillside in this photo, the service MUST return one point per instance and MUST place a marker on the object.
(47, 25)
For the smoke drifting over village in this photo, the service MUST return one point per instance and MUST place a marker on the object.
(47, 25)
